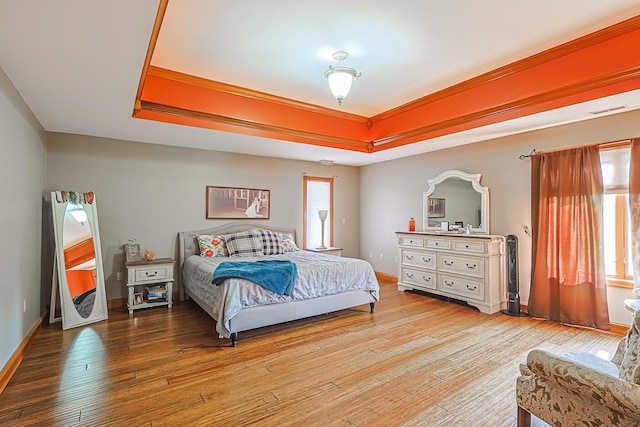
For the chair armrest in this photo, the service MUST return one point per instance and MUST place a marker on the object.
(592, 384)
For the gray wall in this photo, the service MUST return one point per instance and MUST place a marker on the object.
(391, 192)
(22, 181)
(150, 192)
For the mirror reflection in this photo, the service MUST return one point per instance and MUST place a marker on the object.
(79, 259)
(457, 199)
(456, 202)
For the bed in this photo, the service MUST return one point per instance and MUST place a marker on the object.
(324, 284)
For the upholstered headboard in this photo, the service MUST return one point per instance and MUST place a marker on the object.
(188, 245)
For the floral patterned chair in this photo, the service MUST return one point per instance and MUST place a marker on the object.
(580, 389)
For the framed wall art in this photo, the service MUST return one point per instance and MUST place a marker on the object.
(436, 208)
(237, 203)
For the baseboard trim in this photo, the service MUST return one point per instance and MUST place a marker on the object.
(619, 328)
(116, 303)
(616, 328)
(16, 359)
(385, 276)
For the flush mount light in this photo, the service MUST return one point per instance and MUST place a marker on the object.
(340, 77)
(78, 213)
(326, 162)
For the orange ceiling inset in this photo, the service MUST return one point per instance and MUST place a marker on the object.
(597, 65)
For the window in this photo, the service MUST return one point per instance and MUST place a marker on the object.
(616, 218)
(318, 195)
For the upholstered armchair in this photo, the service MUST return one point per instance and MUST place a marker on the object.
(580, 389)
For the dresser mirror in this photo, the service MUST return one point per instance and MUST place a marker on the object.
(457, 199)
(78, 274)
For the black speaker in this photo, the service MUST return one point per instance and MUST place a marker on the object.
(513, 309)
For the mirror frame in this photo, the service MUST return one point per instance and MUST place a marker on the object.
(474, 179)
(70, 316)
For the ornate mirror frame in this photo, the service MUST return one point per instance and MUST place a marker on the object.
(70, 316)
(474, 179)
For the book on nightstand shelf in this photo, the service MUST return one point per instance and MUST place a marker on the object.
(156, 293)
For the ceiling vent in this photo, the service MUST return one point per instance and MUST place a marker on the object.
(608, 110)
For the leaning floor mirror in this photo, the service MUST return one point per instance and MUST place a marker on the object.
(78, 275)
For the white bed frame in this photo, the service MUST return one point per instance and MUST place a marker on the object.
(272, 314)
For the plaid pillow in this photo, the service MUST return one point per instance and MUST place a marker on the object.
(244, 244)
(211, 246)
(271, 243)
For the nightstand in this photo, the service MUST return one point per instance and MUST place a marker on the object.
(329, 251)
(149, 283)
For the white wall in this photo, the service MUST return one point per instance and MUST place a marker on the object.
(22, 181)
(391, 192)
(150, 192)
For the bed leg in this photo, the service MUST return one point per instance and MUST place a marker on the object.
(372, 306)
(234, 339)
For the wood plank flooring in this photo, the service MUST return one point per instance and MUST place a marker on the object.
(416, 361)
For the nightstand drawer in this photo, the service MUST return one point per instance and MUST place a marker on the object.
(151, 274)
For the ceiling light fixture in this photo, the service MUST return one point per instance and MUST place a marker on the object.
(340, 77)
(78, 213)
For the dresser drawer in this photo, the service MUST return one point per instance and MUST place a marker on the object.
(147, 274)
(435, 243)
(469, 246)
(464, 286)
(424, 279)
(469, 266)
(411, 241)
(419, 259)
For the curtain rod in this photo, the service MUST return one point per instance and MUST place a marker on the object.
(607, 144)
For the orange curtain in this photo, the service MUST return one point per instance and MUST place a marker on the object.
(634, 209)
(568, 282)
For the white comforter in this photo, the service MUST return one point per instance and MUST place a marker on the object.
(318, 275)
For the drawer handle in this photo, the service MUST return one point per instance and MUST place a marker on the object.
(426, 259)
(448, 283)
(410, 275)
(426, 279)
(410, 241)
(449, 263)
(409, 257)
(472, 288)
(155, 273)
(466, 246)
(471, 266)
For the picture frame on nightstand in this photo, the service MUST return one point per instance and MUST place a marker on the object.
(138, 298)
(132, 252)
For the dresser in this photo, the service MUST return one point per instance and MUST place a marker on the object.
(464, 267)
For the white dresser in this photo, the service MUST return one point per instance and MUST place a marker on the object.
(470, 268)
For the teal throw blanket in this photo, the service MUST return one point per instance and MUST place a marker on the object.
(278, 276)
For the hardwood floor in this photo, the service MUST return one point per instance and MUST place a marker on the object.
(416, 361)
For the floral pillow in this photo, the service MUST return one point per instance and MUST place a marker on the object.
(212, 246)
(288, 243)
